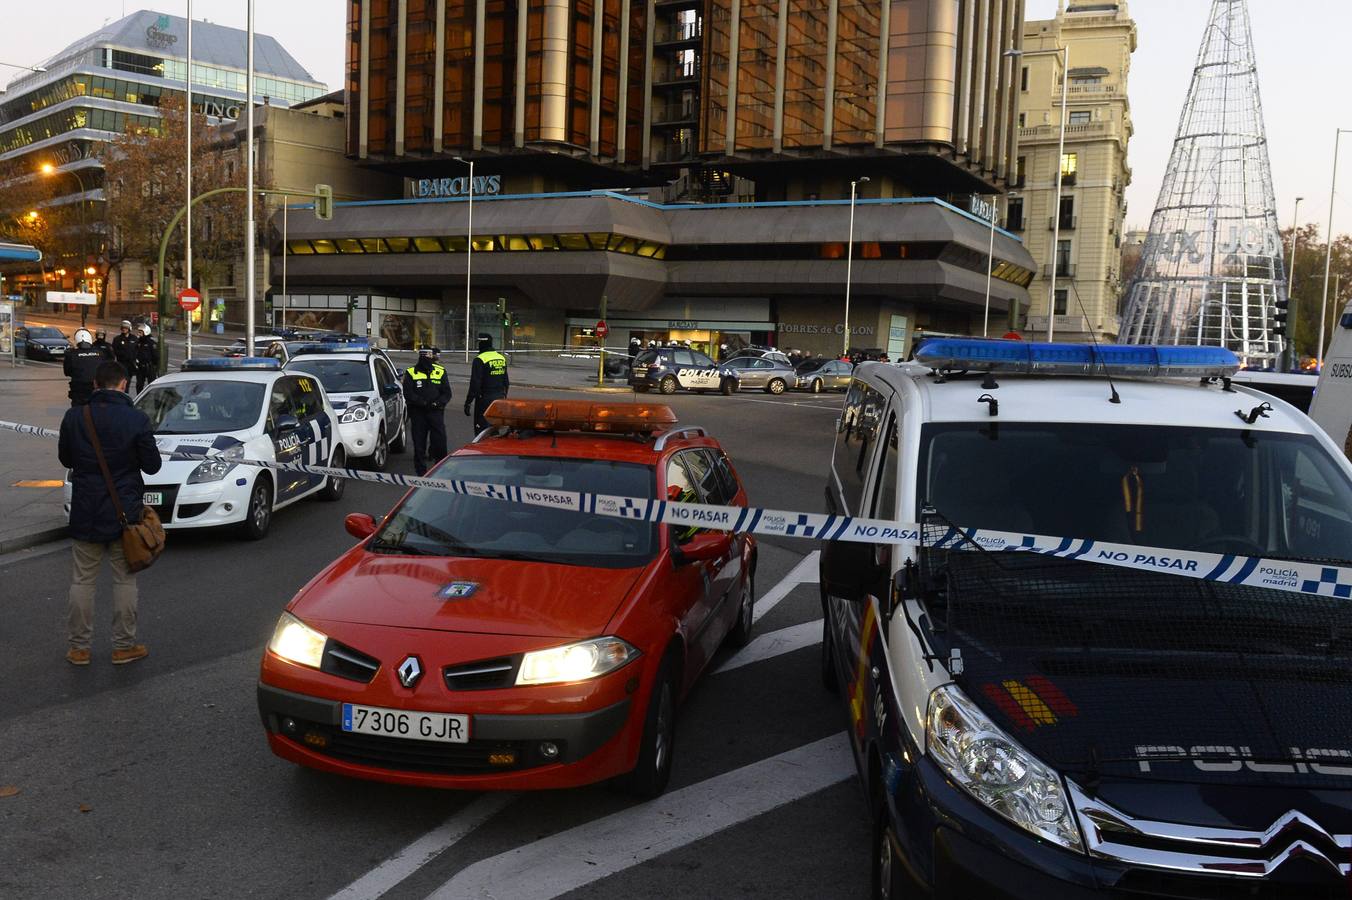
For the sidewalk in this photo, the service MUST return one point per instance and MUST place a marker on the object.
(31, 514)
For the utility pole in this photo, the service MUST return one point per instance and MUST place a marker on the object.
(187, 226)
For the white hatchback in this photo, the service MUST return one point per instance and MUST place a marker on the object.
(364, 389)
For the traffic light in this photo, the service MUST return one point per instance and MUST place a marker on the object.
(323, 202)
(516, 320)
(352, 304)
(1280, 316)
(503, 316)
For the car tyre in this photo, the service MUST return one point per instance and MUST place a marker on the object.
(776, 386)
(727, 387)
(817, 385)
(652, 772)
(889, 881)
(668, 385)
(828, 659)
(400, 442)
(258, 515)
(334, 487)
(380, 456)
(740, 634)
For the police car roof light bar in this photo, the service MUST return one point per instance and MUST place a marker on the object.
(1020, 357)
(580, 415)
(230, 364)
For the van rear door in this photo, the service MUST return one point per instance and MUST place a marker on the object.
(1332, 406)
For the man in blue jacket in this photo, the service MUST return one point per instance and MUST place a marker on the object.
(129, 448)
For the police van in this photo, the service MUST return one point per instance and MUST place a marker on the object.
(669, 369)
(1332, 406)
(1042, 724)
(217, 412)
(361, 383)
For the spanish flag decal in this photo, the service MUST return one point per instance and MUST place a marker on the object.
(1030, 703)
(859, 688)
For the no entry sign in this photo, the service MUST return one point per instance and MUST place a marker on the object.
(189, 299)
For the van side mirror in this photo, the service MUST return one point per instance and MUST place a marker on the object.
(849, 570)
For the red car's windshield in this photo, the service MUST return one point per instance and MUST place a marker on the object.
(437, 523)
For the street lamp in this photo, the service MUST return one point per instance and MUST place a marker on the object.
(1291, 287)
(849, 261)
(50, 171)
(1064, 53)
(469, 247)
(1328, 255)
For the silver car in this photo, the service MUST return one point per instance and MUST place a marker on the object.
(825, 375)
(769, 375)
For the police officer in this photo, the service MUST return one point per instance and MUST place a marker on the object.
(101, 344)
(124, 348)
(487, 381)
(80, 364)
(147, 359)
(427, 390)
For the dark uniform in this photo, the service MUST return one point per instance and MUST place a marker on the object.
(80, 365)
(427, 390)
(124, 349)
(147, 360)
(101, 344)
(487, 381)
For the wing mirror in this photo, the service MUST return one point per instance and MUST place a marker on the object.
(707, 545)
(360, 525)
(849, 570)
(287, 423)
(389, 390)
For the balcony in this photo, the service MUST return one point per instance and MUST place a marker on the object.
(679, 33)
(676, 114)
(676, 73)
(1064, 269)
(1066, 223)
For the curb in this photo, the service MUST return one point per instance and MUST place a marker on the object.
(40, 535)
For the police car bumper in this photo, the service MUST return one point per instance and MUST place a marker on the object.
(360, 438)
(212, 503)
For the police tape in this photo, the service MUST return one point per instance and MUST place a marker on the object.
(1276, 574)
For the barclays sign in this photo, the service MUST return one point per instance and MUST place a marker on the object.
(456, 187)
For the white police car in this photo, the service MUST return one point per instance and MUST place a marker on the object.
(1043, 724)
(217, 412)
(361, 383)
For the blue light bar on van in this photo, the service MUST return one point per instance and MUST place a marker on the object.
(1142, 360)
(230, 364)
(358, 346)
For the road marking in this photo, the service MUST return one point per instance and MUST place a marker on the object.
(401, 865)
(774, 643)
(38, 484)
(803, 573)
(802, 405)
(579, 856)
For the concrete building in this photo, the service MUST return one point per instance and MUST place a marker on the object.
(111, 81)
(688, 160)
(1095, 174)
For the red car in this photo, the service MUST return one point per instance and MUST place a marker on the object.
(479, 644)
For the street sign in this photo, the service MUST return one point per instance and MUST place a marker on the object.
(189, 299)
(602, 329)
(79, 298)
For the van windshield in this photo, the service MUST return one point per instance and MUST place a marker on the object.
(1209, 490)
(437, 523)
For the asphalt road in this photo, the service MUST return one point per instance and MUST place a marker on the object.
(154, 780)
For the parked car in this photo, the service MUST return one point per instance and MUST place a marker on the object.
(761, 372)
(44, 342)
(669, 369)
(819, 375)
(261, 344)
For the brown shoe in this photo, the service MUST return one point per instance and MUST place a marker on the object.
(130, 654)
(77, 657)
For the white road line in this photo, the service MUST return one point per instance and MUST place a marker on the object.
(590, 852)
(774, 643)
(799, 404)
(401, 865)
(803, 573)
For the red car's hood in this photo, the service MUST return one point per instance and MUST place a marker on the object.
(521, 598)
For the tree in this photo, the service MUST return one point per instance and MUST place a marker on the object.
(146, 188)
(27, 216)
(1308, 291)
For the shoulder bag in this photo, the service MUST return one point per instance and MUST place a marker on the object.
(143, 541)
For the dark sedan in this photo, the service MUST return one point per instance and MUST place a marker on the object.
(44, 342)
(824, 375)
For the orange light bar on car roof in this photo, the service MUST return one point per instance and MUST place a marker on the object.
(581, 415)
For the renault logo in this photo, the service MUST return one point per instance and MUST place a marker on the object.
(410, 670)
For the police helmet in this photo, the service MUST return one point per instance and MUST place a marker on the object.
(485, 341)
(100, 335)
(83, 337)
(145, 330)
(126, 323)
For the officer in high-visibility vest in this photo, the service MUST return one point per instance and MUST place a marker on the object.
(487, 381)
(427, 390)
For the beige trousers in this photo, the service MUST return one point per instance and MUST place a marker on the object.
(88, 561)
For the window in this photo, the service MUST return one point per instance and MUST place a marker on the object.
(1023, 83)
(1067, 212)
(1070, 164)
(684, 358)
(1014, 214)
(727, 486)
(1062, 258)
(1080, 117)
(681, 489)
(1020, 171)
(1023, 120)
(855, 436)
(1060, 301)
(885, 497)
